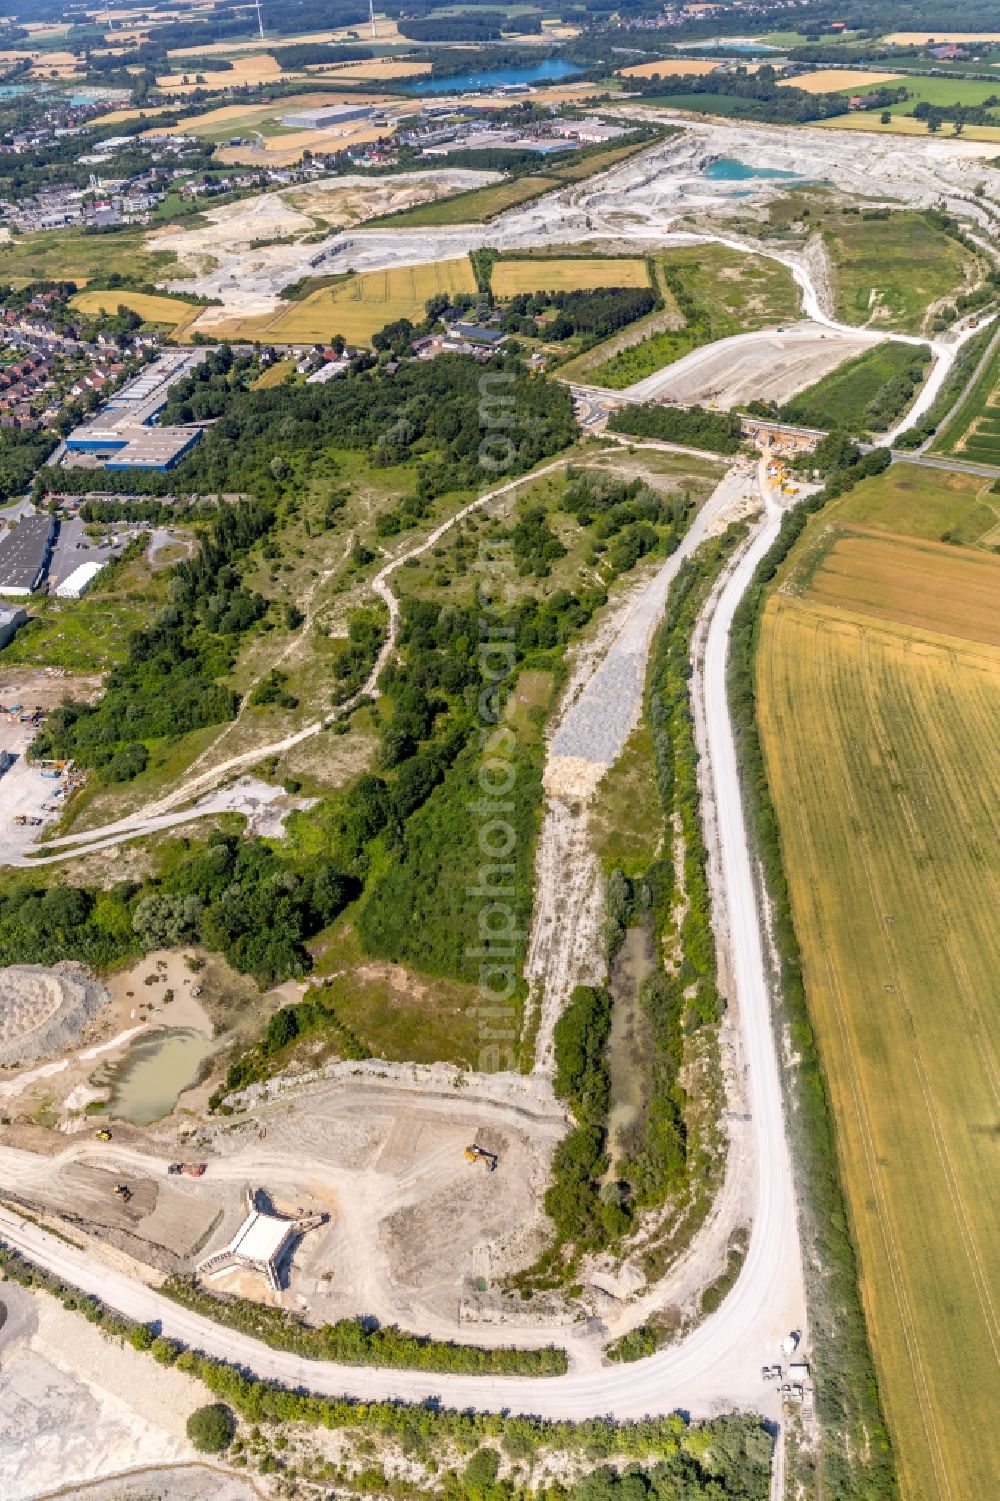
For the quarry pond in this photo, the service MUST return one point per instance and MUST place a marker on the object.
(155, 1069)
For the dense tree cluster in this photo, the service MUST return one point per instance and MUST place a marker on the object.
(595, 314)
(238, 897)
(168, 683)
(719, 432)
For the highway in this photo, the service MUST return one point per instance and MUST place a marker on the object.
(718, 1366)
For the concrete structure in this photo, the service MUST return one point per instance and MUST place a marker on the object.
(11, 622)
(79, 581)
(25, 553)
(327, 115)
(258, 1244)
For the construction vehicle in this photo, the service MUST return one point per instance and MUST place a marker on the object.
(123, 1192)
(103, 1134)
(480, 1154)
(189, 1169)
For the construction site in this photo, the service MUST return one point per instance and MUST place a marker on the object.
(414, 1197)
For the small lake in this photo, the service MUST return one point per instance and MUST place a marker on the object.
(155, 1069)
(728, 169)
(550, 70)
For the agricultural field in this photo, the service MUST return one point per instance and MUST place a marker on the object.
(697, 104)
(676, 67)
(921, 89)
(839, 81)
(480, 205)
(358, 306)
(842, 398)
(172, 312)
(900, 124)
(879, 698)
(921, 38)
(71, 255)
(475, 207)
(550, 274)
(974, 432)
(935, 505)
(380, 70)
(247, 71)
(889, 272)
(718, 292)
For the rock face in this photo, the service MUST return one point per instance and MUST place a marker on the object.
(44, 1010)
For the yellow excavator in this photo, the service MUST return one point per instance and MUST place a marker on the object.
(480, 1154)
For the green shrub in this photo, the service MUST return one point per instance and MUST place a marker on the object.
(210, 1428)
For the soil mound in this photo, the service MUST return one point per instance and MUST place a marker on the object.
(44, 1010)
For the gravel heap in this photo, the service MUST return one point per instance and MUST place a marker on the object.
(44, 1010)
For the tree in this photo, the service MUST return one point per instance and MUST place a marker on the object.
(210, 1428)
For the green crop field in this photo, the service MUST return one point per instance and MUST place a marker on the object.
(888, 272)
(721, 292)
(479, 205)
(974, 432)
(937, 505)
(71, 255)
(880, 742)
(943, 91)
(700, 104)
(840, 399)
(475, 207)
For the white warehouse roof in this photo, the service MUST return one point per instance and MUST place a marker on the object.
(78, 581)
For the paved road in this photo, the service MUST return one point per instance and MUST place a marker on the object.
(987, 471)
(718, 1366)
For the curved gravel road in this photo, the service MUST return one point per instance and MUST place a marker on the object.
(717, 1367)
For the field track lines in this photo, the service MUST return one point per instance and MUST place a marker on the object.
(933, 895)
(883, 1212)
(928, 1406)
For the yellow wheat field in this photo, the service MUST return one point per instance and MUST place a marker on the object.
(837, 80)
(358, 306)
(540, 274)
(882, 748)
(680, 67)
(170, 310)
(920, 38)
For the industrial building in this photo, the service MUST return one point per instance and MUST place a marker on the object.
(11, 622)
(124, 435)
(79, 581)
(25, 553)
(327, 115)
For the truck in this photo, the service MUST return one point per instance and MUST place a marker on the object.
(189, 1169)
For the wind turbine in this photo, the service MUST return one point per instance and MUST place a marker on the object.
(260, 20)
(371, 12)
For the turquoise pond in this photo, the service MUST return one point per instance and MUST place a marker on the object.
(549, 71)
(728, 169)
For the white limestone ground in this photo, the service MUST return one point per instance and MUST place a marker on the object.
(44, 1010)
